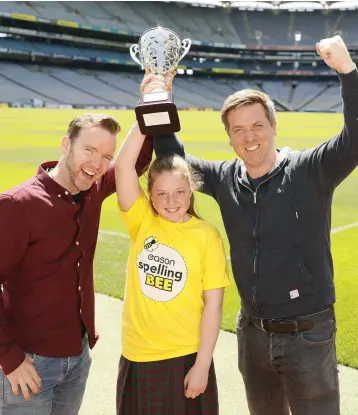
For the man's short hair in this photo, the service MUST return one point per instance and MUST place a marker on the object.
(106, 122)
(247, 97)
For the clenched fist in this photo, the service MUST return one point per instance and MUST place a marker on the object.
(335, 54)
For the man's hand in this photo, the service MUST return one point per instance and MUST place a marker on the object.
(195, 381)
(151, 82)
(25, 376)
(335, 54)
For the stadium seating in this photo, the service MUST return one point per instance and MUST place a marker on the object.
(268, 28)
(20, 82)
(53, 84)
(199, 23)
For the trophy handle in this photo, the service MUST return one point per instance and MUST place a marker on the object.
(134, 50)
(186, 43)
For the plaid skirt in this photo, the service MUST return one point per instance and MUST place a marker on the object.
(157, 388)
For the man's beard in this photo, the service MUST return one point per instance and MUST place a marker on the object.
(71, 174)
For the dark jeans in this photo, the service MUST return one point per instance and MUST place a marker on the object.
(289, 371)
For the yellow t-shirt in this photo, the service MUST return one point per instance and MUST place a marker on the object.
(169, 267)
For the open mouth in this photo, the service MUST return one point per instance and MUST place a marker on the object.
(173, 210)
(253, 148)
(88, 174)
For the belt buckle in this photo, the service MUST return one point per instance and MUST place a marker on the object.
(294, 322)
(279, 322)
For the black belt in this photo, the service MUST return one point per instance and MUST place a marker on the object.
(295, 325)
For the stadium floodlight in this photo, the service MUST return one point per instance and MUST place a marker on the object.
(297, 5)
(180, 71)
(301, 5)
(203, 3)
(189, 72)
(345, 5)
(253, 5)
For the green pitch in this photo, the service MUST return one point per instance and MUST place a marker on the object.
(30, 136)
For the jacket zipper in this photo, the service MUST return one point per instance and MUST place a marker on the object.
(254, 234)
(254, 258)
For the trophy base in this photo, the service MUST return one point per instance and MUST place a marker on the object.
(158, 118)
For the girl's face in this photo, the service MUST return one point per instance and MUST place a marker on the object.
(171, 195)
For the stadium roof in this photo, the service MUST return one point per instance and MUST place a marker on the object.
(297, 5)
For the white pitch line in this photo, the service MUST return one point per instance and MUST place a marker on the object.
(344, 227)
(113, 233)
(335, 230)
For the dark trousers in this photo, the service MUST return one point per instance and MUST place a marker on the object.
(289, 371)
(157, 388)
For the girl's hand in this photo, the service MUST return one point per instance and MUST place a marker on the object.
(152, 82)
(195, 381)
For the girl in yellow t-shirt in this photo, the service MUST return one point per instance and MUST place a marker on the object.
(176, 276)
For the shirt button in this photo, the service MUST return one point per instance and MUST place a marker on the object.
(79, 288)
(59, 195)
(66, 193)
(77, 243)
(78, 264)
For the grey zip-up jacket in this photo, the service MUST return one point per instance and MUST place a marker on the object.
(279, 235)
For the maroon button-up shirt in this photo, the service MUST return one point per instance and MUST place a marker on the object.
(47, 246)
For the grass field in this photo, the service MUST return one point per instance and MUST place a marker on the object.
(30, 136)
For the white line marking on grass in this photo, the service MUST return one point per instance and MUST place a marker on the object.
(344, 227)
(113, 233)
(335, 230)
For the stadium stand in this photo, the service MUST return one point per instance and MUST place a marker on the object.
(203, 24)
(77, 53)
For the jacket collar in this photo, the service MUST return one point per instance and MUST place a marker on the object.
(283, 155)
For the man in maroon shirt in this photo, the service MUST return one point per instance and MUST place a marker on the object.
(48, 236)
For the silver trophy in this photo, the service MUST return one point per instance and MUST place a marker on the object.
(158, 51)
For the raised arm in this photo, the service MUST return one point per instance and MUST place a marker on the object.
(108, 183)
(332, 161)
(127, 181)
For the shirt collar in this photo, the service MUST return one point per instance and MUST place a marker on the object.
(50, 184)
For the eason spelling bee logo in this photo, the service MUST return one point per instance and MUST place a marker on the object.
(162, 271)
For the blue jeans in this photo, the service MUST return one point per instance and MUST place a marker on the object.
(63, 382)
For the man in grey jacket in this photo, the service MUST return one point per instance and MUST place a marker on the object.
(276, 208)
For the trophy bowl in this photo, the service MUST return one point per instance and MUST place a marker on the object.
(159, 51)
